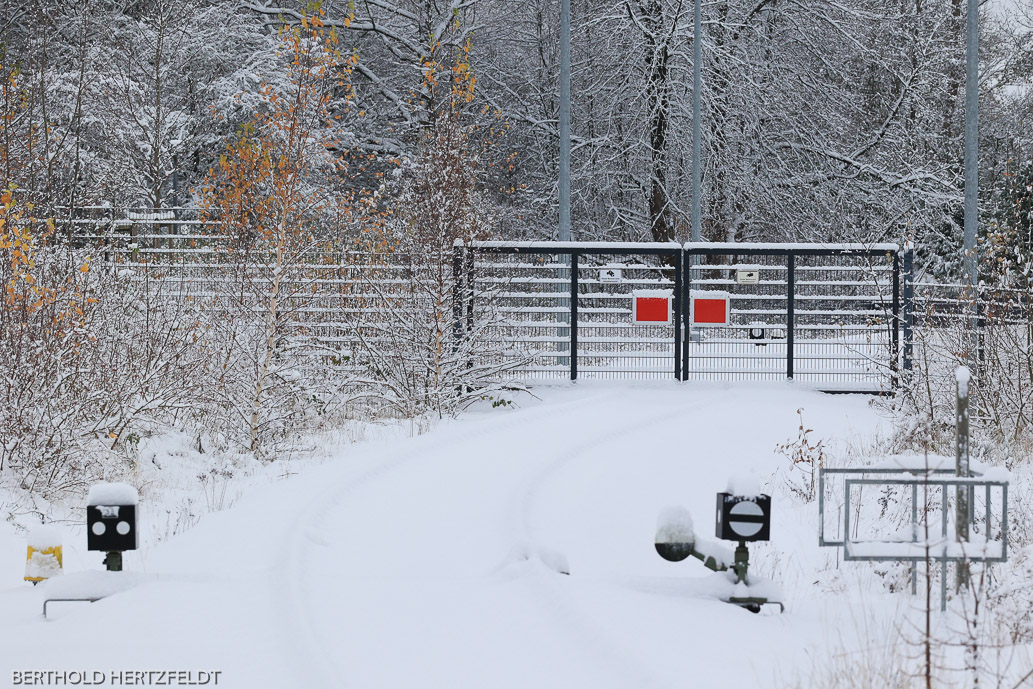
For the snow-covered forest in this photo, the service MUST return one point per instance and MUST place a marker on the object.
(820, 120)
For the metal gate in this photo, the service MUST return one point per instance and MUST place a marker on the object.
(825, 315)
(561, 317)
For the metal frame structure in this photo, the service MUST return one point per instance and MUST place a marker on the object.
(824, 286)
(915, 551)
(812, 290)
(568, 316)
(958, 483)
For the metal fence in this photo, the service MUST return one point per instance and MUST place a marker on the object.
(563, 317)
(916, 520)
(330, 299)
(825, 315)
(830, 316)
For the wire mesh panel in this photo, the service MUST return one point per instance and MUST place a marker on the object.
(823, 316)
(532, 286)
(528, 297)
(318, 295)
(845, 320)
(752, 345)
(610, 343)
(954, 305)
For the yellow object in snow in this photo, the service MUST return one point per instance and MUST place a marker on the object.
(42, 563)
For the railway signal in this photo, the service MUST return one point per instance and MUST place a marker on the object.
(111, 521)
(741, 518)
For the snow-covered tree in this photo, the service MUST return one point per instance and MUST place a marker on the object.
(271, 194)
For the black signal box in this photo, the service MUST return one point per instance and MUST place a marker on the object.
(743, 518)
(111, 527)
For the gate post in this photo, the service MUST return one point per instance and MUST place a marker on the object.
(679, 322)
(962, 468)
(688, 260)
(908, 306)
(895, 324)
(790, 311)
(468, 289)
(573, 314)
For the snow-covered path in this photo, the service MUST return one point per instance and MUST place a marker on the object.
(432, 562)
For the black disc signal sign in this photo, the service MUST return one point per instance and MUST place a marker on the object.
(743, 518)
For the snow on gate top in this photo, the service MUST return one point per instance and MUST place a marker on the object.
(732, 247)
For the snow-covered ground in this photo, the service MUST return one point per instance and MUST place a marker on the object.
(435, 561)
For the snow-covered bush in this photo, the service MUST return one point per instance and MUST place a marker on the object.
(991, 332)
(269, 199)
(90, 356)
(45, 315)
(415, 338)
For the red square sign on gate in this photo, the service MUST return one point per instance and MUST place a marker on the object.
(710, 308)
(651, 306)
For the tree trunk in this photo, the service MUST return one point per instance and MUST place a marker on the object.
(658, 99)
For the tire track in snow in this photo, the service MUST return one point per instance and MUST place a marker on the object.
(307, 650)
(559, 604)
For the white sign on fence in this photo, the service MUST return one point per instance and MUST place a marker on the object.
(747, 275)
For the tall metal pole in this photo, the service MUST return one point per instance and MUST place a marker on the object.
(567, 317)
(971, 161)
(564, 180)
(697, 175)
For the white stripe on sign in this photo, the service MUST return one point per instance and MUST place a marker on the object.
(746, 518)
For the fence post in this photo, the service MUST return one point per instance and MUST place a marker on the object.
(895, 324)
(979, 338)
(468, 288)
(679, 323)
(909, 306)
(688, 259)
(961, 437)
(457, 294)
(573, 314)
(790, 312)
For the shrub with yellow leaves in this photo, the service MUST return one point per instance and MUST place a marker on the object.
(277, 193)
(45, 306)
